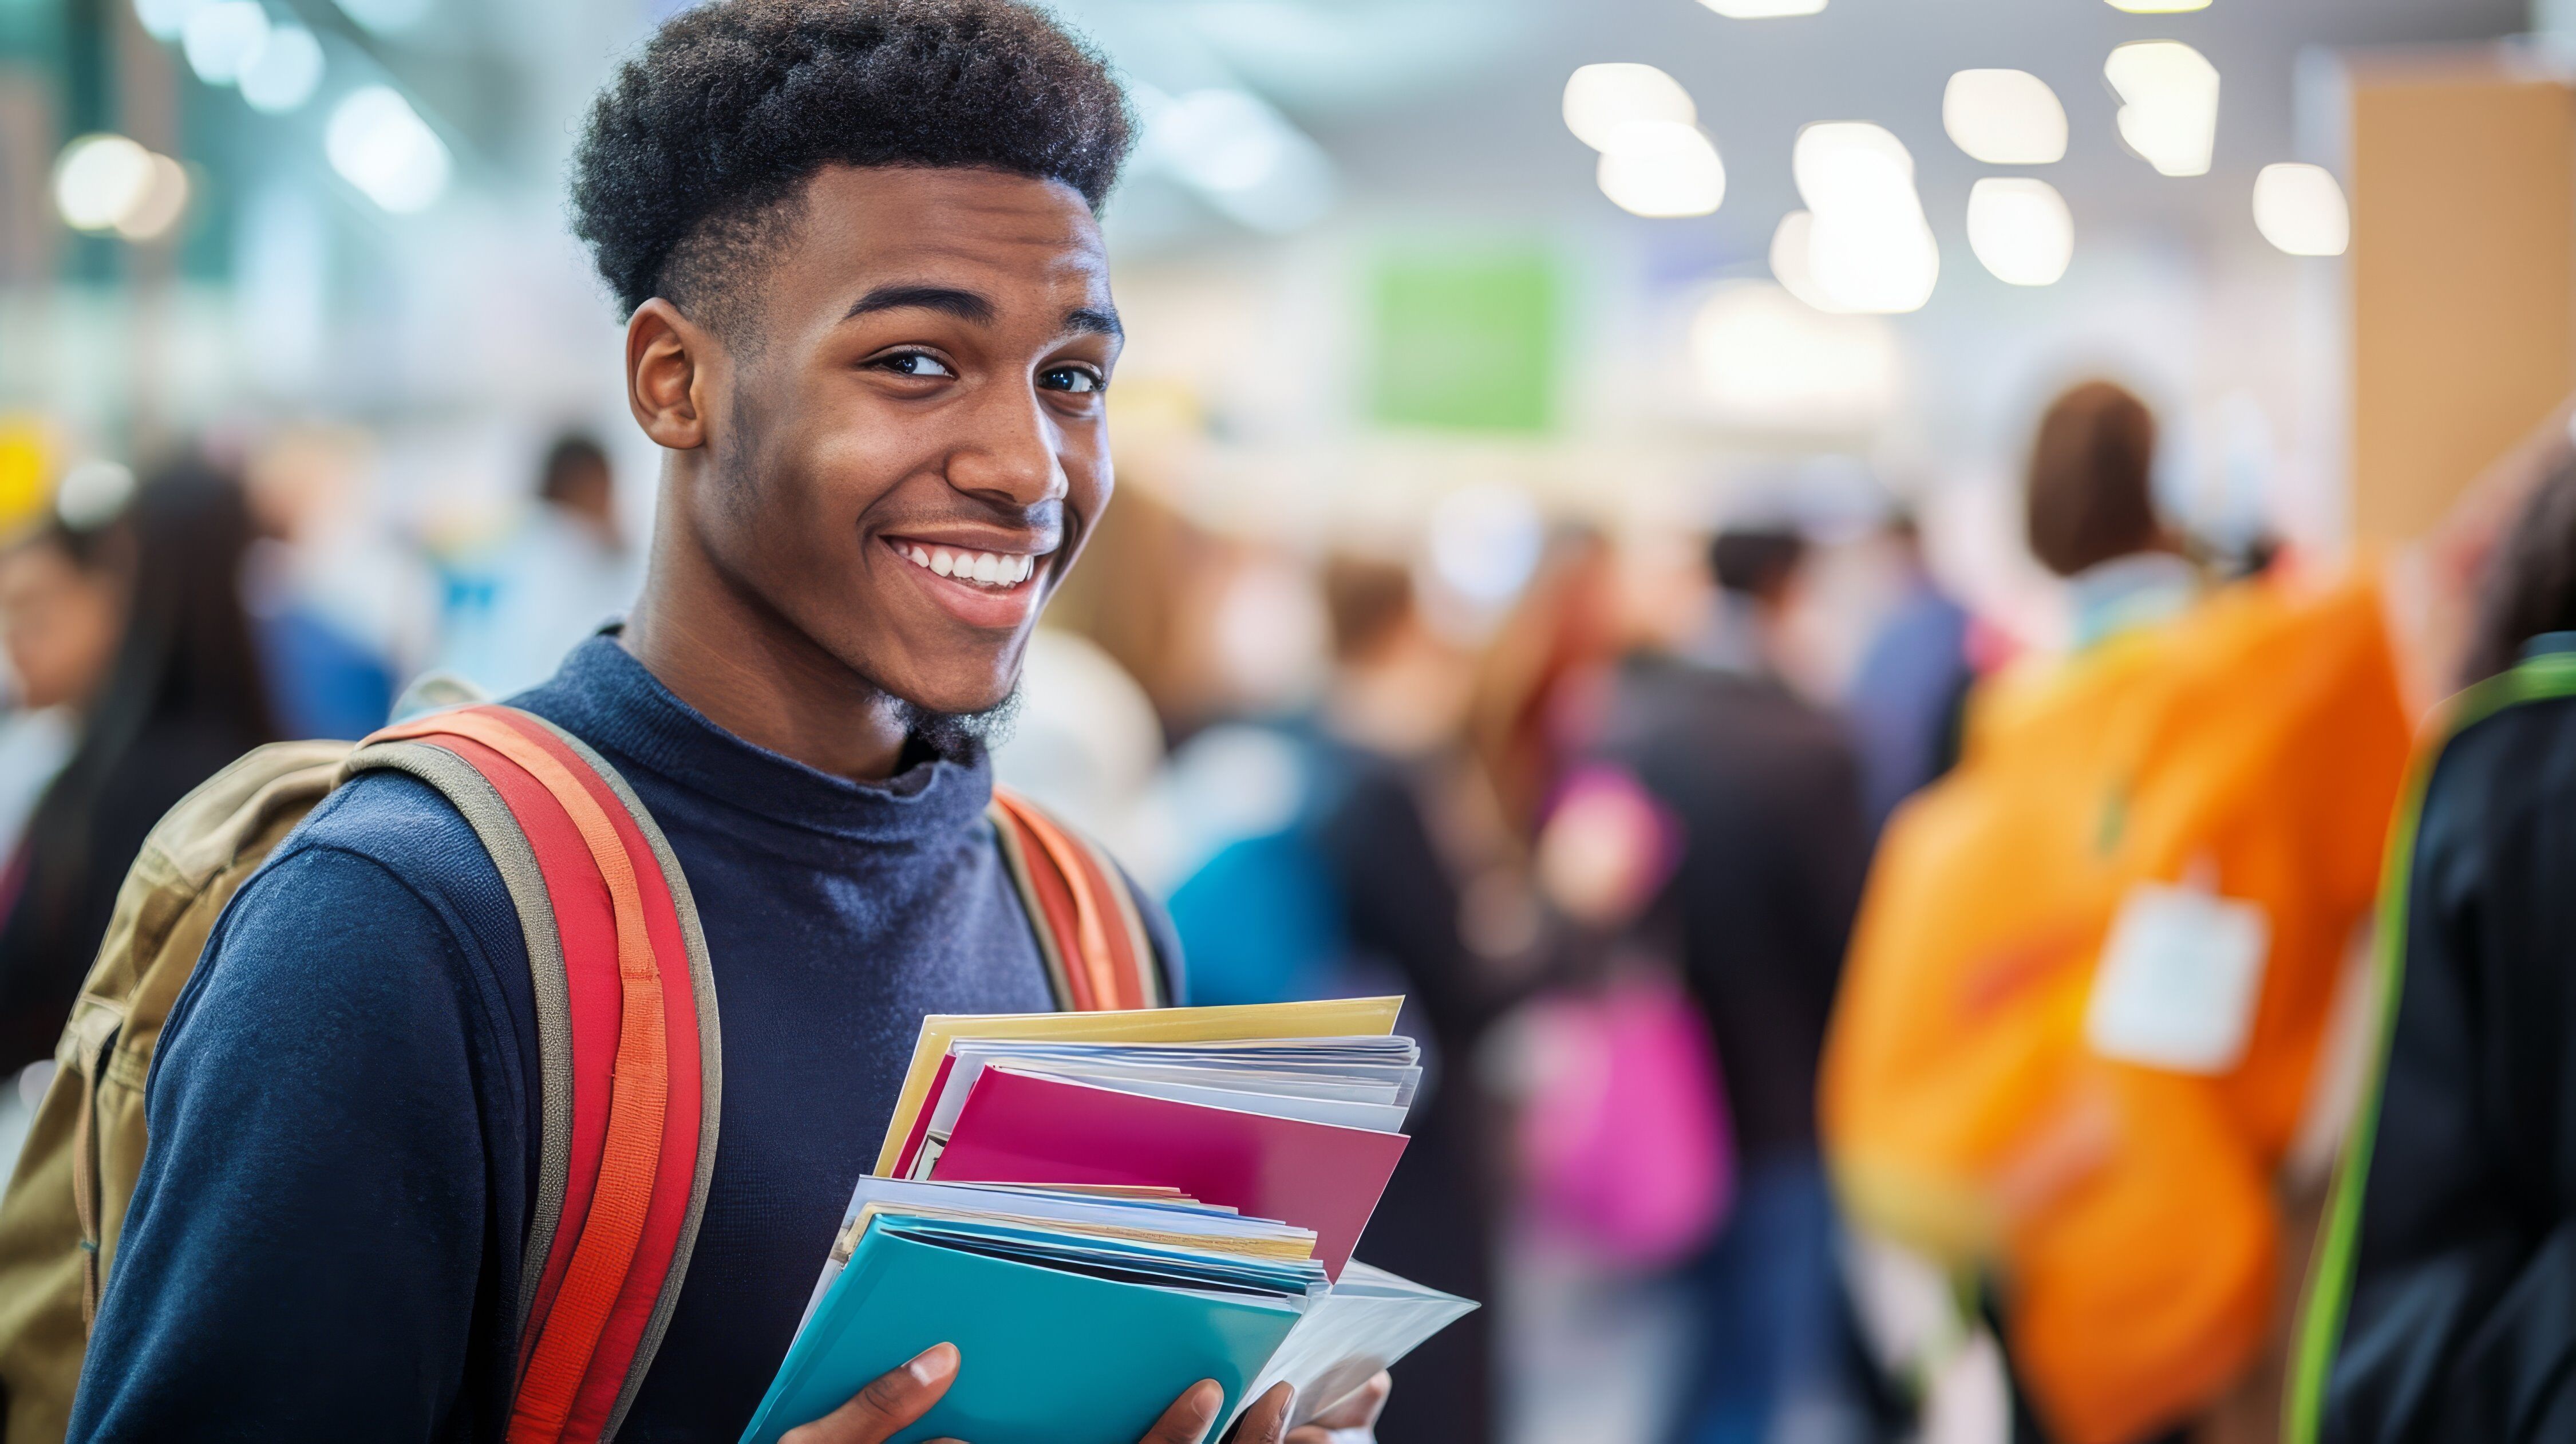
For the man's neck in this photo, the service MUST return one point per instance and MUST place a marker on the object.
(731, 656)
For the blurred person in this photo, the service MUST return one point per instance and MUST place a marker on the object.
(515, 607)
(1361, 885)
(1765, 792)
(135, 624)
(2096, 961)
(1905, 698)
(321, 587)
(869, 323)
(2437, 1305)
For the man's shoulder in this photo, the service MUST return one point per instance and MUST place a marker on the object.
(412, 834)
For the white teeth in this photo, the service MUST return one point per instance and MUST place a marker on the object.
(991, 569)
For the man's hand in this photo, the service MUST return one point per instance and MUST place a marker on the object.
(896, 1399)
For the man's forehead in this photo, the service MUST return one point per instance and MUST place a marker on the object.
(1014, 237)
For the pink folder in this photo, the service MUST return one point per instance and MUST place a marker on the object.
(1022, 1128)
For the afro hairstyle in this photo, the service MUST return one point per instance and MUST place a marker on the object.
(695, 158)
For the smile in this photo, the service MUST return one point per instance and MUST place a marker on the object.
(997, 571)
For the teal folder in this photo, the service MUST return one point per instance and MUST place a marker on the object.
(1048, 1355)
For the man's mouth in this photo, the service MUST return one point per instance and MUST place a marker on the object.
(993, 571)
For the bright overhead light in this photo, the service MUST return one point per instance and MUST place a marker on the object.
(1602, 99)
(1662, 168)
(2020, 229)
(2169, 104)
(284, 72)
(1791, 244)
(2159, 7)
(164, 200)
(166, 19)
(220, 38)
(98, 179)
(2301, 209)
(1763, 9)
(1764, 359)
(1868, 246)
(2004, 117)
(1241, 156)
(379, 144)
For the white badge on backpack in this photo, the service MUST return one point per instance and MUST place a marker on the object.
(2180, 976)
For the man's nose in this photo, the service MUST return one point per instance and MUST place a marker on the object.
(1009, 454)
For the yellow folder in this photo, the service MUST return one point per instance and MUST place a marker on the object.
(1324, 1018)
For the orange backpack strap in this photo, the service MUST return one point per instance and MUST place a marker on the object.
(627, 1043)
(1098, 954)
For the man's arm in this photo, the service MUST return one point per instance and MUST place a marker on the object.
(326, 1219)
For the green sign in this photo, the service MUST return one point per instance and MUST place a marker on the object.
(1465, 341)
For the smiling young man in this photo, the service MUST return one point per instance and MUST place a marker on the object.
(871, 328)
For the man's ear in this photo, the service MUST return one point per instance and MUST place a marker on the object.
(670, 363)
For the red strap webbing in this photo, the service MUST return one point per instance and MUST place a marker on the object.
(635, 1066)
(1071, 893)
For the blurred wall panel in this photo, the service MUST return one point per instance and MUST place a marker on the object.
(2463, 269)
(27, 144)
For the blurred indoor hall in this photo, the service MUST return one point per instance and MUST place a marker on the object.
(1843, 593)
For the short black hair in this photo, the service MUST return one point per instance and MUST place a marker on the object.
(1756, 561)
(694, 157)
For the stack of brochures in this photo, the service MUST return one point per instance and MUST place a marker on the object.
(1101, 1209)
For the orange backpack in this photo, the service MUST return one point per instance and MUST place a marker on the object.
(627, 1039)
(2257, 744)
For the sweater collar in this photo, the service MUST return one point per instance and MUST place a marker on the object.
(603, 695)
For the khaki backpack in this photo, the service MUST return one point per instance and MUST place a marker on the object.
(66, 1201)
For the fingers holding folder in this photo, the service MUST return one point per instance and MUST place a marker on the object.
(1119, 1228)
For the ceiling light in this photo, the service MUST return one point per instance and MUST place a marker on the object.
(379, 144)
(1763, 9)
(1662, 168)
(1868, 247)
(2004, 117)
(284, 72)
(1764, 359)
(2020, 228)
(98, 179)
(1601, 99)
(158, 208)
(219, 38)
(1791, 244)
(2301, 209)
(2169, 110)
(2159, 7)
(1241, 156)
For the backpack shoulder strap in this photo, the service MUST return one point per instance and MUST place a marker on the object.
(2317, 1333)
(1088, 926)
(628, 1047)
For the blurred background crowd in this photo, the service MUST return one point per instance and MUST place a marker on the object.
(1585, 467)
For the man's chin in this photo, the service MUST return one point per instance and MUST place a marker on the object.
(961, 736)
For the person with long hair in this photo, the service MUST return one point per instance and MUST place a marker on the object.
(177, 698)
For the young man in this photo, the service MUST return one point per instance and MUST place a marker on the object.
(871, 326)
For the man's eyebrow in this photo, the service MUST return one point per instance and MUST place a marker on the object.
(964, 305)
(1094, 320)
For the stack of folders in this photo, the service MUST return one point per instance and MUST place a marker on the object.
(1101, 1209)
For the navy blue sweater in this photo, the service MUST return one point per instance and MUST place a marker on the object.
(325, 1243)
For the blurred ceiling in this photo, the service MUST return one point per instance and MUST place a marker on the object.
(1450, 107)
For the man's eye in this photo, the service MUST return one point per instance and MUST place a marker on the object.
(915, 363)
(1073, 379)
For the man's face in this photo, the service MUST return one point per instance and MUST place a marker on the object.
(912, 446)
